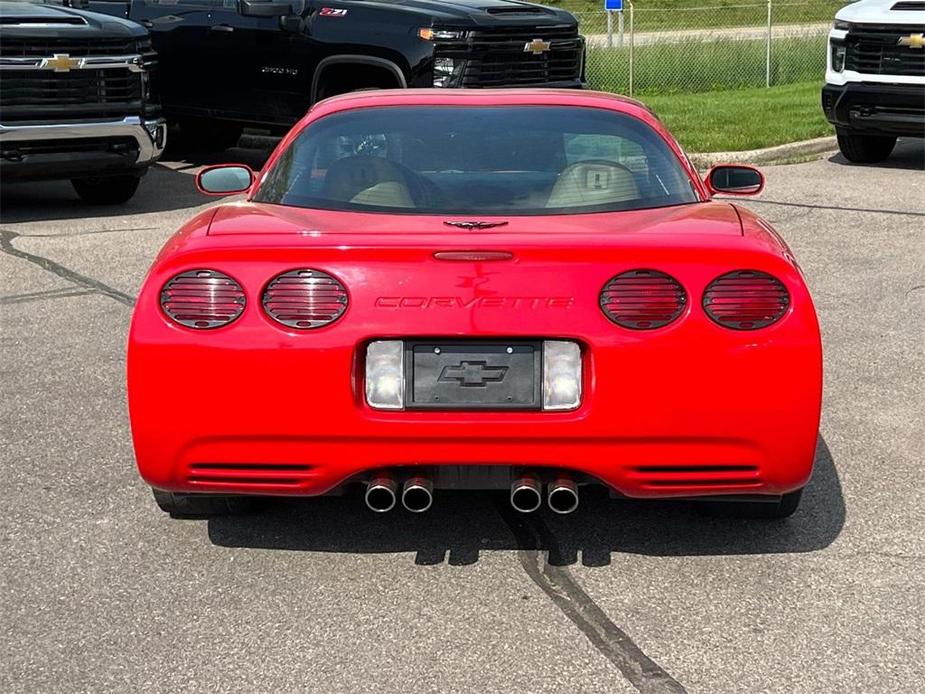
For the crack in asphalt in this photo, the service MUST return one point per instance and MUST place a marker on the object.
(62, 293)
(559, 585)
(6, 246)
(839, 209)
(74, 234)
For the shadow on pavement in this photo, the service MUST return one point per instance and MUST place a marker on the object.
(909, 154)
(460, 525)
(167, 186)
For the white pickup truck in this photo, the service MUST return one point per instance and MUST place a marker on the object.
(875, 77)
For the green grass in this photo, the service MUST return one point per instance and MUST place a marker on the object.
(743, 119)
(690, 66)
(655, 15)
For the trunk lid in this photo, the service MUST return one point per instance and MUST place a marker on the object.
(322, 227)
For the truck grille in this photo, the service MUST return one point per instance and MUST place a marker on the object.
(875, 50)
(499, 58)
(28, 47)
(47, 95)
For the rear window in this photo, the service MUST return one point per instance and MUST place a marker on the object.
(523, 160)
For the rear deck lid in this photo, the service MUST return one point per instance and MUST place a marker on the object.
(323, 227)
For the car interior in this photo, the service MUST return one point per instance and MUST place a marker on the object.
(451, 166)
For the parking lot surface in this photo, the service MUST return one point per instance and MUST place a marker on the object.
(103, 592)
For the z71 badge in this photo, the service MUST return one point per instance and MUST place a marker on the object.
(333, 12)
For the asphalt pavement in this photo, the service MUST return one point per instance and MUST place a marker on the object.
(101, 592)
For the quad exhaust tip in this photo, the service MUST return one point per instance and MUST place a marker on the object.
(562, 496)
(417, 494)
(526, 494)
(381, 494)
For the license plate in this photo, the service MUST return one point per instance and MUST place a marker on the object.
(473, 376)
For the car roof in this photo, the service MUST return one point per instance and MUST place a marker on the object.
(481, 97)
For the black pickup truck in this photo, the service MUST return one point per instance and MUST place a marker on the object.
(77, 100)
(227, 64)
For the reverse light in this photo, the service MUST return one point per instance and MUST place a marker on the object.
(643, 299)
(305, 299)
(746, 300)
(202, 299)
(385, 374)
(561, 375)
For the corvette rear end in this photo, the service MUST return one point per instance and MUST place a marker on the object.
(666, 351)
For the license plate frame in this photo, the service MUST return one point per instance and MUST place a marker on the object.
(483, 375)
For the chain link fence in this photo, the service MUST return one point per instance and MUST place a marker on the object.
(718, 45)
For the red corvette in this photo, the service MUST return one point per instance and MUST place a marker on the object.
(528, 290)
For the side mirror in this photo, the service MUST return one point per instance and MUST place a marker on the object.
(225, 179)
(733, 179)
(264, 8)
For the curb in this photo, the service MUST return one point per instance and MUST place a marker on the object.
(769, 155)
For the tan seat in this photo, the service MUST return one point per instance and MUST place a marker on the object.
(593, 182)
(388, 194)
(367, 181)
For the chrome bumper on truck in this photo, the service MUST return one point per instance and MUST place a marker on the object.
(64, 150)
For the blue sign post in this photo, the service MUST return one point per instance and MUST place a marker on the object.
(611, 6)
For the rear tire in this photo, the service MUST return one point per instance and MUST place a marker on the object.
(201, 505)
(865, 149)
(106, 190)
(208, 136)
(767, 510)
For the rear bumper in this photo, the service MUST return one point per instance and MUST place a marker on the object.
(66, 150)
(657, 420)
(888, 109)
(643, 467)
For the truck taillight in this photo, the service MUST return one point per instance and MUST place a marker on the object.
(305, 299)
(202, 299)
(746, 300)
(643, 299)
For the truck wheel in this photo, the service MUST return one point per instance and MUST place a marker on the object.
(784, 508)
(199, 505)
(208, 136)
(865, 149)
(106, 190)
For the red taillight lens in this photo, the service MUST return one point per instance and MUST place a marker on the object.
(203, 299)
(305, 299)
(643, 299)
(746, 300)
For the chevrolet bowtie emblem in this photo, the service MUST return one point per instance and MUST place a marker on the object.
(61, 62)
(473, 374)
(913, 41)
(537, 47)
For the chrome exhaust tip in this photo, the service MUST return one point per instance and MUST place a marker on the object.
(417, 495)
(526, 494)
(381, 494)
(562, 496)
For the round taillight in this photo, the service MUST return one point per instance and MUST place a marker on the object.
(643, 299)
(203, 299)
(746, 300)
(305, 299)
